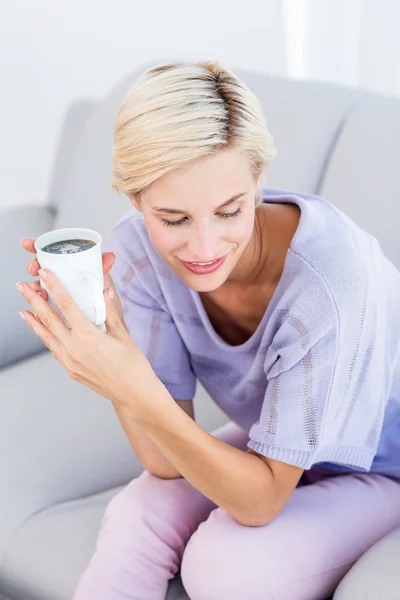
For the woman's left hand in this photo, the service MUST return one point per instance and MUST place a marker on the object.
(111, 364)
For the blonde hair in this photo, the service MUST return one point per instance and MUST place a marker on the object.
(176, 114)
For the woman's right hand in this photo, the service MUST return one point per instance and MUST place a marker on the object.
(33, 268)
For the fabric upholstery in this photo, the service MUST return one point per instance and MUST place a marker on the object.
(16, 342)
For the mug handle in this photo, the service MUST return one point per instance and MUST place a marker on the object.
(100, 305)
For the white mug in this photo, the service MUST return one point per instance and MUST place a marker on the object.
(80, 273)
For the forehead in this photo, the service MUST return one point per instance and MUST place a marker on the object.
(207, 183)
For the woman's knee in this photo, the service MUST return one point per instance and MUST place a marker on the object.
(170, 508)
(223, 561)
(144, 496)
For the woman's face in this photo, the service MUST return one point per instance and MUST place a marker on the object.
(202, 213)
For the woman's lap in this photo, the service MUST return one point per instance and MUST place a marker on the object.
(303, 554)
(328, 523)
(154, 527)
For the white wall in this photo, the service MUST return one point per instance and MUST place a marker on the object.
(54, 52)
(352, 42)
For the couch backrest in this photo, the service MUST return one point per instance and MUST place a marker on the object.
(361, 175)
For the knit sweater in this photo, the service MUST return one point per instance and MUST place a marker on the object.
(319, 380)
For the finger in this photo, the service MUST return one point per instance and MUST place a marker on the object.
(33, 267)
(114, 324)
(28, 244)
(48, 317)
(45, 335)
(35, 285)
(108, 283)
(64, 302)
(108, 259)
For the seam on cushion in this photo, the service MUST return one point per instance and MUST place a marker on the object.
(357, 102)
(271, 594)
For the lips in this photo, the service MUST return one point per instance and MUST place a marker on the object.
(204, 269)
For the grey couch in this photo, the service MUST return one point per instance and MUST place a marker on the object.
(63, 453)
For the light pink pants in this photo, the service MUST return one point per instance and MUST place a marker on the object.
(155, 527)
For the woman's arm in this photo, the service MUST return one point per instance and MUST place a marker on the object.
(251, 488)
(147, 451)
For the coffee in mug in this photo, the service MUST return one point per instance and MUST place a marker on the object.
(68, 246)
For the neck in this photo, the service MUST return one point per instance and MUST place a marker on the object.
(260, 262)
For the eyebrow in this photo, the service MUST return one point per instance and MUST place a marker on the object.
(175, 211)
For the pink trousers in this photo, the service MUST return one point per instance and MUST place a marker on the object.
(155, 527)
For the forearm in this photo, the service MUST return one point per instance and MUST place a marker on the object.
(237, 481)
(145, 449)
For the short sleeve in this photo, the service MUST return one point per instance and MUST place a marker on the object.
(148, 321)
(311, 411)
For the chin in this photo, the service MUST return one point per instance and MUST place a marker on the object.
(210, 287)
(205, 283)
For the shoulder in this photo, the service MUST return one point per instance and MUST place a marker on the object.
(331, 252)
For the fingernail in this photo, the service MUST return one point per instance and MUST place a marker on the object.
(21, 314)
(30, 268)
(42, 273)
(111, 293)
(20, 287)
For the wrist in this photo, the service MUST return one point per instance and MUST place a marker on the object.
(146, 393)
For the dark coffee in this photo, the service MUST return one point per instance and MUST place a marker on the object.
(68, 246)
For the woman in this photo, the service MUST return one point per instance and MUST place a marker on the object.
(284, 309)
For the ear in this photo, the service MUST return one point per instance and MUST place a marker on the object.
(258, 182)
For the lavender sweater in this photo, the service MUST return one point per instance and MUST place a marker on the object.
(319, 381)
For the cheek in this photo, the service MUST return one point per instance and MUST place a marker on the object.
(162, 238)
(241, 231)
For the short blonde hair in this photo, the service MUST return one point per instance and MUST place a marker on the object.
(176, 114)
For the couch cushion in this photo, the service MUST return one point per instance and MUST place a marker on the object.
(52, 549)
(17, 341)
(59, 441)
(376, 574)
(362, 175)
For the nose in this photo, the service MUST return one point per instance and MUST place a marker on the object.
(202, 243)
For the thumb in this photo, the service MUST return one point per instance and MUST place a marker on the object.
(114, 324)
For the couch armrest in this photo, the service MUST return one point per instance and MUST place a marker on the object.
(17, 341)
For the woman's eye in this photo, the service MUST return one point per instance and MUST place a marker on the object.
(170, 223)
(181, 221)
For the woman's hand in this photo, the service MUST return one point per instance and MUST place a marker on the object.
(112, 365)
(108, 261)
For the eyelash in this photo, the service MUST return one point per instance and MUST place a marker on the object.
(181, 221)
